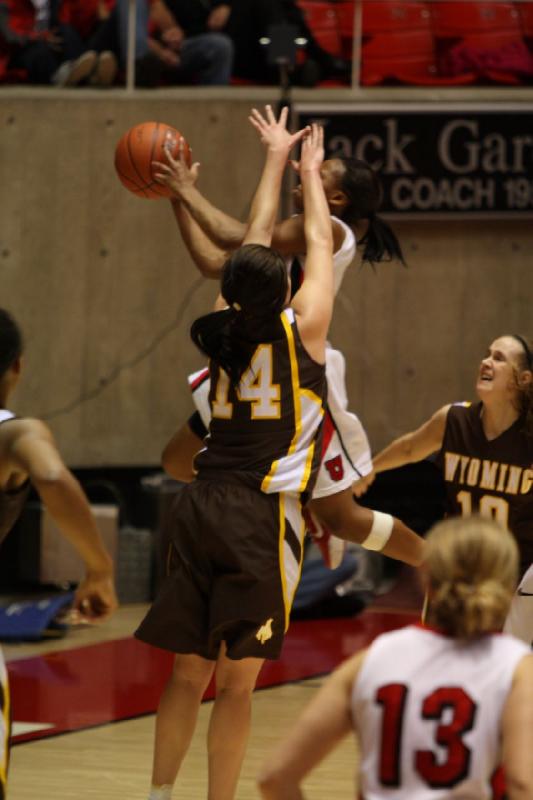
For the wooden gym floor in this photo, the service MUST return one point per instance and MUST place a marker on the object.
(83, 707)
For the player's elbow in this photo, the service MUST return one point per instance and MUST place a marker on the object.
(49, 475)
(175, 466)
(519, 784)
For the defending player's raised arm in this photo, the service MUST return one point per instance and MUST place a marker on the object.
(32, 451)
(415, 445)
(313, 303)
(278, 142)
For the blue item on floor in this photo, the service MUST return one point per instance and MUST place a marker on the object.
(32, 620)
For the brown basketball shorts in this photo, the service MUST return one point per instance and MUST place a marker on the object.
(234, 564)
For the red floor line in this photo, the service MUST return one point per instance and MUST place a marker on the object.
(113, 681)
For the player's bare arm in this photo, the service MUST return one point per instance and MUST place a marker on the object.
(313, 302)
(414, 446)
(517, 727)
(322, 725)
(32, 452)
(278, 142)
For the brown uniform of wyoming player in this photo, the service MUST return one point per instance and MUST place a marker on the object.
(237, 545)
(485, 451)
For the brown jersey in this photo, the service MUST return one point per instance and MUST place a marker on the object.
(265, 432)
(493, 478)
(11, 503)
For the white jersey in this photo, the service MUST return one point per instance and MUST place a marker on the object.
(5, 716)
(346, 455)
(5, 415)
(428, 712)
(342, 258)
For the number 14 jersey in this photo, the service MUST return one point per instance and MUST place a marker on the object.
(266, 433)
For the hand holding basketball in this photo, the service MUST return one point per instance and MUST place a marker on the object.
(139, 148)
(176, 172)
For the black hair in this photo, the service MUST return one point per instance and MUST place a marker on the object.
(254, 283)
(11, 343)
(526, 392)
(361, 185)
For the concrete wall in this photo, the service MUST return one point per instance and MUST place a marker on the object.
(106, 292)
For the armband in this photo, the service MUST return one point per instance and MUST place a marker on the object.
(380, 532)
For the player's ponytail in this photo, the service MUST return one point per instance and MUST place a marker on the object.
(362, 188)
(380, 242)
(525, 390)
(11, 344)
(472, 569)
(254, 284)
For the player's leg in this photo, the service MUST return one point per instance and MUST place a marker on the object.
(229, 725)
(346, 456)
(176, 719)
(371, 529)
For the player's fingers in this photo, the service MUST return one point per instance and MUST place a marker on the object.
(270, 115)
(283, 116)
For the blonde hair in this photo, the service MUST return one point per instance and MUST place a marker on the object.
(472, 571)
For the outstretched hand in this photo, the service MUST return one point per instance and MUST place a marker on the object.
(312, 154)
(274, 133)
(176, 173)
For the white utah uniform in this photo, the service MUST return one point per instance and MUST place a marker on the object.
(428, 712)
(346, 455)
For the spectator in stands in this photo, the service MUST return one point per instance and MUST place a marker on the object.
(38, 39)
(93, 21)
(177, 41)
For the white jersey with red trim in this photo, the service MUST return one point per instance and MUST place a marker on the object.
(342, 258)
(428, 712)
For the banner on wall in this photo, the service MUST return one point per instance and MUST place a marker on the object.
(437, 160)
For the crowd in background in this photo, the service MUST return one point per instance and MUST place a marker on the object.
(70, 43)
(221, 42)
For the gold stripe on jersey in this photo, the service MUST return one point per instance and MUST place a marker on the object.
(290, 511)
(296, 400)
(306, 406)
(282, 554)
(5, 726)
(315, 399)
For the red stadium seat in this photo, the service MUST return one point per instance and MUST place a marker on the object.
(321, 18)
(405, 56)
(459, 19)
(381, 16)
(345, 12)
(526, 16)
(483, 37)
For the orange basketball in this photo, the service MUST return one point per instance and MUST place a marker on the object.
(135, 152)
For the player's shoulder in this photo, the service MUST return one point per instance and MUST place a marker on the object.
(461, 409)
(16, 427)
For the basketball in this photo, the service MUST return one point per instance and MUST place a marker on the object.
(135, 152)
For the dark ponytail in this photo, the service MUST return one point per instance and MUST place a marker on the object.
(380, 242)
(254, 284)
(11, 344)
(362, 187)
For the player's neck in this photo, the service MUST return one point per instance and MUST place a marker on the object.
(497, 417)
